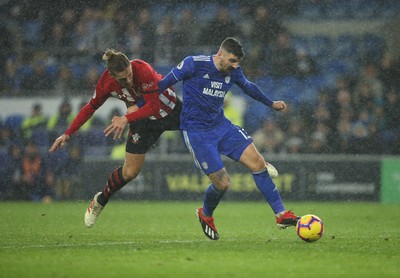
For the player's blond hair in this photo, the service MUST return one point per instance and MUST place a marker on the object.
(116, 61)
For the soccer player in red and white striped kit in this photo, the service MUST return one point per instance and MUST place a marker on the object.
(149, 114)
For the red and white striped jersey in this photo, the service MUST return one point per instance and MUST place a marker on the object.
(145, 81)
(144, 90)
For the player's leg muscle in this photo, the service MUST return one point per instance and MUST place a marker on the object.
(220, 179)
(252, 159)
(132, 165)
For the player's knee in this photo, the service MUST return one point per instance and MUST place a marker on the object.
(130, 174)
(223, 183)
(258, 164)
(220, 179)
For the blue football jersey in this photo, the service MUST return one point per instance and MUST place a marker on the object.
(204, 90)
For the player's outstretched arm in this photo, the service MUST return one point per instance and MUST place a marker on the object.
(59, 142)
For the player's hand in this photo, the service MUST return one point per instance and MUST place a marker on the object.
(279, 105)
(117, 126)
(132, 109)
(59, 142)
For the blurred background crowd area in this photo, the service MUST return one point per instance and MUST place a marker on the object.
(341, 81)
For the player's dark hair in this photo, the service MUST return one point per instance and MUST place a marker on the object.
(233, 46)
(116, 61)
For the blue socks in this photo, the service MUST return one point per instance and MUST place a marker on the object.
(264, 183)
(269, 190)
(211, 199)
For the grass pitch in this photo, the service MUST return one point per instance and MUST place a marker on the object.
(164, 239)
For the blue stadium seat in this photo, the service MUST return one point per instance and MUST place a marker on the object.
(298, 42)
(389, 9)
(372, 45)
(289, 89)
(25, 70)
(338, 9)
(364, 9)
(345, 46)
(3, 160)
(56, 160)
(254, 115)
(40, 137)
(94, 152)
(100, 68)
(14, 121)
(291, 82)
(158, 12)
(266, 83)
(319, 46)
(164, 70)
(312, 86)
(310, 11)
(352, 67)
(206, 11)
(336, 67)
(52, 70)
(32, 31)
(93, 137)
(315, 81)
(78, 70)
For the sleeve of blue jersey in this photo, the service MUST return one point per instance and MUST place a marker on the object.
(182, 71)
(167, 82)
(253, 91)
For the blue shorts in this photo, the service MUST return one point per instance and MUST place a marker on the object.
(206, 147)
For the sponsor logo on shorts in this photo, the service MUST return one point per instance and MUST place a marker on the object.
(135, 138)
(204, 165)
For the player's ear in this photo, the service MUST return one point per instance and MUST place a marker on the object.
(219, 53)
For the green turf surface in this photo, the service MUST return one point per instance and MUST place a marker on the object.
(164, 239)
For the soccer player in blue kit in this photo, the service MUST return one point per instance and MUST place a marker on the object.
(208, 133)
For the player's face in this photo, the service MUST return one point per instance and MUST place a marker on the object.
(227, 61)
(125, 78)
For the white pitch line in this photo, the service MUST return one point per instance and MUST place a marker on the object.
(95, 244)
(67, 245)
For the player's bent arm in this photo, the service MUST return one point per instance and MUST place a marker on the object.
(184, 70)
(167, 82)
(150, 108)
(132, 109)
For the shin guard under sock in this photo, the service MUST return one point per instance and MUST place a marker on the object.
(269, 190)
(211, 199)
(115, 182)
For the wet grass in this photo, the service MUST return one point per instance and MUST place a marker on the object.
(163, 239)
